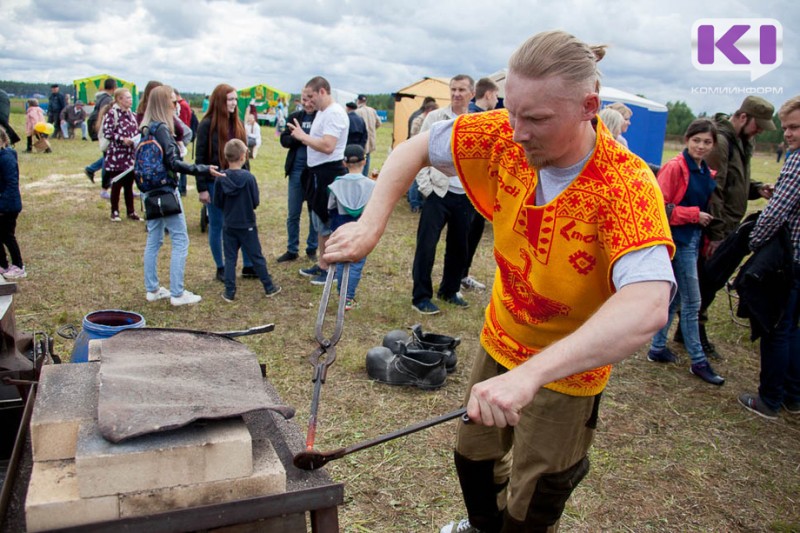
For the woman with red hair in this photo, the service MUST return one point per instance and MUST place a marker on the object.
(220, 124)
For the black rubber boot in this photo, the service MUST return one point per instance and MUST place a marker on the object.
(440, 343)
(480, 493)
(391, 340)
(423, 369)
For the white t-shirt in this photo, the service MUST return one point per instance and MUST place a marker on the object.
(334, 122)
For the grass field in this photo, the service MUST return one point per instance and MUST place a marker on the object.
(671, 454)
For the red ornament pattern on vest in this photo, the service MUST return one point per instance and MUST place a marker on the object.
(542, 291)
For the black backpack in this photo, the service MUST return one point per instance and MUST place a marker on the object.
(102, 100)
(194, 124)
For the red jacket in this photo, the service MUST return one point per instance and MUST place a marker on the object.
(673, 179)
(184, 112)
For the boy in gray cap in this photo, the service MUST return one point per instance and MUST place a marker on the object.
(348, 197)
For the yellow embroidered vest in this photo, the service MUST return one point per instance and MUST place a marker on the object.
(554, 262)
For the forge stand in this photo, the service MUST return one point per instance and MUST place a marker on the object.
(310, 493)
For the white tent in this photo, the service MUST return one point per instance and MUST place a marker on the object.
(343, 97)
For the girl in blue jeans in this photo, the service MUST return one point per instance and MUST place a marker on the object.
(348, 196)
(217, 127)
(158, 121)
(687, 183)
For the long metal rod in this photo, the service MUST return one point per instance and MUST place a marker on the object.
(311, 459)
(16, 454)
(419, 426)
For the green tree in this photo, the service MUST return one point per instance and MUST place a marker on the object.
(679, 116)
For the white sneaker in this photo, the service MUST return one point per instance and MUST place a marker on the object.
(471, 283)
(160, 294)
(460, 527)
(185, 299)
(15, 272)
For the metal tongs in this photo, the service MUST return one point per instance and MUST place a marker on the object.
(324, 356)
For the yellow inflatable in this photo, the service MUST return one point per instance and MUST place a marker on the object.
(44, 127)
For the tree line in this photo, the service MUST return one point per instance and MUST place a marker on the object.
(680, 115)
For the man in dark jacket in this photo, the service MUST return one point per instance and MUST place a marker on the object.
(728, 203)
(5, 115)
(55, 105)
(295, 168)
(74, 116)
(357, 133)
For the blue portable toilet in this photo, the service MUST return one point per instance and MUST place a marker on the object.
(648, 127)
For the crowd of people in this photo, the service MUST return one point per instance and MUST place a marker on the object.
(547, 167)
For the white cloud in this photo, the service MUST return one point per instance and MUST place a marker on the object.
(368, 46)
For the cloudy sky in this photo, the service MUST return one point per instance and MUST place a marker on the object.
(381, 46)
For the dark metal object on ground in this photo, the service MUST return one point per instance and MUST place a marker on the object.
(150, 380)
(313, 459)
(325, 355)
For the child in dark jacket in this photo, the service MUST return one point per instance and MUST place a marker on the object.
(10, 207)
(236, 194)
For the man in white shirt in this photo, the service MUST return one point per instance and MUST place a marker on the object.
(326, 143)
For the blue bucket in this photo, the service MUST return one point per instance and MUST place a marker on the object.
(102, 325)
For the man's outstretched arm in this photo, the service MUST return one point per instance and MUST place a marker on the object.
(354, 241)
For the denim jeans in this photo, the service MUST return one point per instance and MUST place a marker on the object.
(353, 277)
(215, 234)
(98, 165)
(176, 225)
(684, 265)
(414, 196)
(182, 184)
(245, 239)
(296, 201)
(780, 355)
(65, 130)
(365, 170)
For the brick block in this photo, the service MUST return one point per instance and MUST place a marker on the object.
(201, 452)
(67, 397)
(95, 350)
(53, 500)
(269, 477)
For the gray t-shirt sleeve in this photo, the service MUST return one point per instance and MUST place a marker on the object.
(439, 150)
(648, 264)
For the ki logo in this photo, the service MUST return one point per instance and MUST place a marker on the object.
(737, 45)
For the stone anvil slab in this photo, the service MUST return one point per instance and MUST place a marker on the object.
(154, 380)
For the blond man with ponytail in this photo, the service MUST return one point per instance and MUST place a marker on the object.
(583, 278)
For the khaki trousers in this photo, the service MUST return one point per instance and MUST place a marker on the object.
(554, 433)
